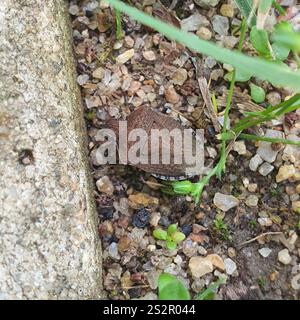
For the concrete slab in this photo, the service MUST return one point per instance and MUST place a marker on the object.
(49, 247)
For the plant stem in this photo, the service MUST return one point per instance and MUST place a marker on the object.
(278, 7)
(118, 24)
(267, 139)
(268, 111)
(222, 161)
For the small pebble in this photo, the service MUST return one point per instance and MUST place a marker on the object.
(140, 219)
(252, 187)
(82, 79)
(124, 57)
(284, 256)
(285, 172)
(295, 283)
(105, 185)
(227, 10)
(265, 169)
(155, 217)
(74, 10)
(113, 251)
(98, 73)
(128, 42)
(149, 55)
(240, 147)
(225, 202)
(296, 206)
(206, 3)
(265, 252)
(230, 266)
(265, 222)
(171, 95)
(273, 98)
(220, 25)
(231, 252)
(204, 33)
(255, 162)
(265, 150)
(252, 201)
(200, 266)
(194, 22)
(217, 261)
(180, 76)
(186, 229)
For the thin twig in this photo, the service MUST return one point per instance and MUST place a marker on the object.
(258, 237)
(133, 287)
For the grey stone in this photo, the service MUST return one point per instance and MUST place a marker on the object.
(49, 243)
(206, 3)
(265, 150)
(265, 222)
(252, 201)
(194, 22)
(255, 162)
(210, 62)
(265, 252)
(225, 202)
(230, 266)
(265, 169)
(284, 256)
(295, 283)
(220, 25)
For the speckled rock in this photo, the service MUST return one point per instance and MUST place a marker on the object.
(49, 243)
(285, 172)
(200, 266)
(265, 169)
(284, 256)
(265, 252)
(225, 202)
(265, 150)
(220, 25)
(206, 3)
(230, 266)
(255, 162)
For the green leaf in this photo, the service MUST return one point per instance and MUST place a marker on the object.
(240, 76)
(178, 237)
(260, 41)
(258, 94)
(170, 288)
(209, 293)
(172, 228)
(286, 36)
(245, 7)
(264, 5)
(160, 234)
(280, 51)
(182, 187)
(265, 70)
(171, 245)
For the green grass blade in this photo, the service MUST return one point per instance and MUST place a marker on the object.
(245, 7)
(267, 139)
(265, 70)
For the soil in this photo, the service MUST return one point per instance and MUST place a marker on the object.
(161, 74)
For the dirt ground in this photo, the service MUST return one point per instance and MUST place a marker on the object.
(145, 68)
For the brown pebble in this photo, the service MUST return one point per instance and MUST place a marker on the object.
(171, 95)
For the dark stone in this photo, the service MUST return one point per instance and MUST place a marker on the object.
(164, 221)
(106, 213)
(140, 218)
(186, 229)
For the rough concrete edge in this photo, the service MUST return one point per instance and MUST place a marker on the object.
(81, 131)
